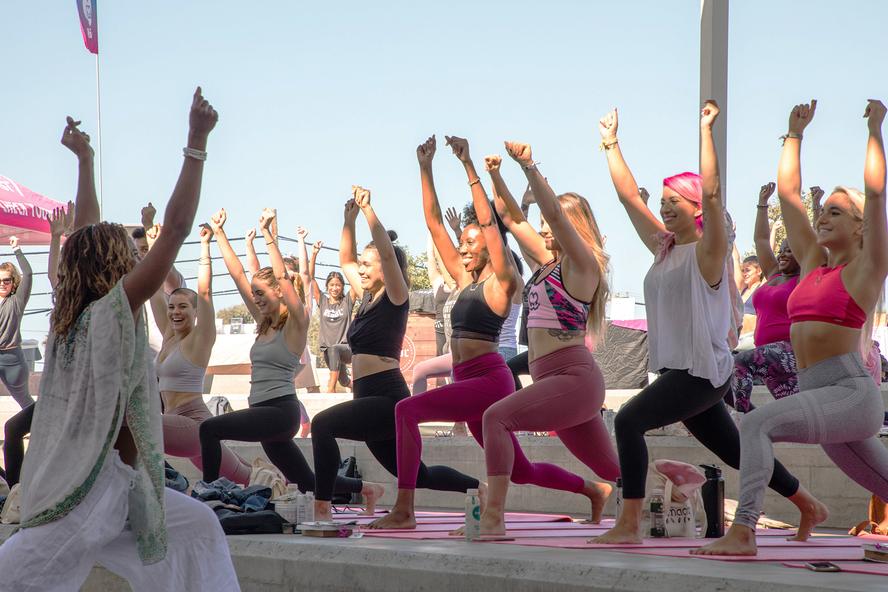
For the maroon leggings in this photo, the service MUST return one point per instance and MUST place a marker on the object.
(478, 384)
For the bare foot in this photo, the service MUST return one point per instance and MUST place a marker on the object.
(395, 519)
(813, 512)
(460, 532)
(323, 511)
(493, 524)
(621, 534)
(739, 540)
(371, 492)
(597, 494)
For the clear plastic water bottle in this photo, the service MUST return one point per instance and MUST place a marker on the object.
(619, 498)
(473, 515)
(300, 509)
(657, 514)
(309, 507)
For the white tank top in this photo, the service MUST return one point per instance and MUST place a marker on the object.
(688, 321)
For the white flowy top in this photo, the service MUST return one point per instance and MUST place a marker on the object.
(688, 321)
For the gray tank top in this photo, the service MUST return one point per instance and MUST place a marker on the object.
(274, 369)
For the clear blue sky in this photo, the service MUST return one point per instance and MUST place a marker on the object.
(316, 97)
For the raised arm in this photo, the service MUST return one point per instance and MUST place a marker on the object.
(713, 246)
(763, 248)
(816, 206)
(298, 317)
(431, 208)
(500, 259)
(435, 277)
(232, 262)
(23, 292)
(348, 253)
(201, 347)
(60, 222)
(875, 225)
(304, 271)
(86, 203)
(149, 274)
(312, 266)
(252, 258)
(514, 217)
(646, 224)
(395, 284)
(580, 254)
(801, 235)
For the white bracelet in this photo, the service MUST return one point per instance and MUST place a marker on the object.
(531, 166)
(194, 153)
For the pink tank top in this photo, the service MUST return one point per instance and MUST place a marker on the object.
(550, 306)
(772, 319)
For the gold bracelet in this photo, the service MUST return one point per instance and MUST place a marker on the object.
(478, 180)
(607, 145)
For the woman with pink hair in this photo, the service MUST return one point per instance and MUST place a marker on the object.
(690, 316)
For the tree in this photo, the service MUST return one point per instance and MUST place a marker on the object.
(417, 272)
(238, 310)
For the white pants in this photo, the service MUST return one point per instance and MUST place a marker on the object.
(60, 555)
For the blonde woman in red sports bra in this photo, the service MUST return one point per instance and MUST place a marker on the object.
(844, 261)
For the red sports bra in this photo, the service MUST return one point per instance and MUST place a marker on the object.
(822, 297)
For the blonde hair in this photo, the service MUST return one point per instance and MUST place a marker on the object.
(266, 274)
(14, 272)
(577, 210)
(855, 197)
(93, 260)
(292, 262)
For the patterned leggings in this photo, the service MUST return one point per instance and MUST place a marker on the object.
(774, 363)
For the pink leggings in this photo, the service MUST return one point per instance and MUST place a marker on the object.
(439, 367)
(478, 384)
(181, 437)
(566, 396)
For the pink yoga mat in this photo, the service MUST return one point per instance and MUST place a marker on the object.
(569, 534)
(801, 552)
(859, 567)
(438, 527)
(653, 546)
(459, 519)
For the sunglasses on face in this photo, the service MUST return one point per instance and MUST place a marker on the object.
(5, 281)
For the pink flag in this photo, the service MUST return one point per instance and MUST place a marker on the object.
(24, 213)
(89, 24)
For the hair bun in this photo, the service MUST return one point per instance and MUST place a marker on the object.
(393, 236)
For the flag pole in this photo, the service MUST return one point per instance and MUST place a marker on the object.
(99, 134)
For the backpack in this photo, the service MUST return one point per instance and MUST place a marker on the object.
(348, 468)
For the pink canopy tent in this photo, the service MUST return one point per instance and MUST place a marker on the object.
(24, 213)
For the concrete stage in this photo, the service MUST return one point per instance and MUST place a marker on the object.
(291, 563)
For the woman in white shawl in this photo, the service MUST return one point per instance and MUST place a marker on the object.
(93, 481)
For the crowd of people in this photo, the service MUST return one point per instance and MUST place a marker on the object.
(123, 381)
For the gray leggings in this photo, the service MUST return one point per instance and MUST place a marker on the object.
(839, 407)
(14, 375)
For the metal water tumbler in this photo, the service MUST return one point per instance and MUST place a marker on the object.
(713, 493)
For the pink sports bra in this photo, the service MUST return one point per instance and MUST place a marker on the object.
(822, 297)
(549, 305)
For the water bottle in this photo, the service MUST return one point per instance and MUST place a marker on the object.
(619, 498)
(657, 513)
(713, 493)
(309, 506)
(300, 509)
(473, 515)
(292, 492)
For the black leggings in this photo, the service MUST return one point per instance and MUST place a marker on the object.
(678, 396)
(17, 427)
(370, 418)
(273, 424)
(519, 365)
